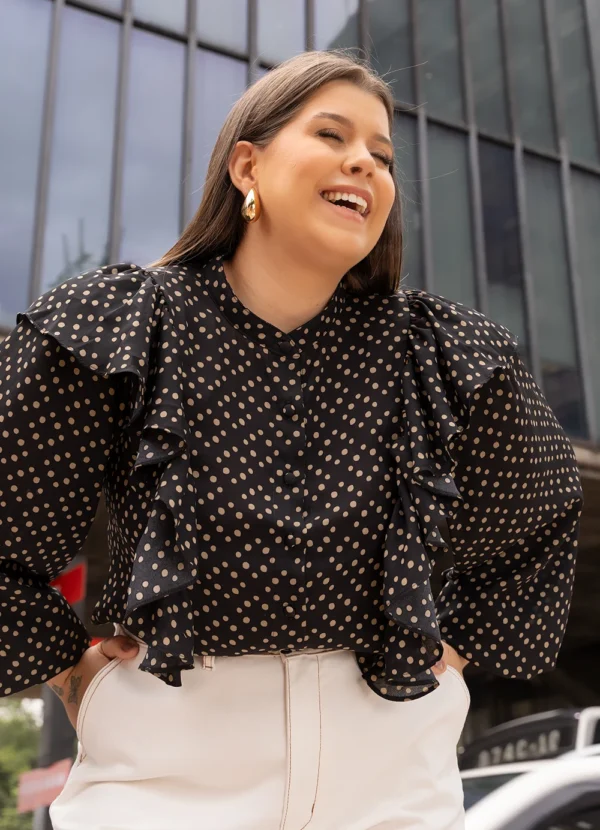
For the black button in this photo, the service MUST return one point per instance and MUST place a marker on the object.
(289, 610)
(286, 346)
(289, 410)
(292, 478)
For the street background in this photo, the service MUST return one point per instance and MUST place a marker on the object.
(110, 109)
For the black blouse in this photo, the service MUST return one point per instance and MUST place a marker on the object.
(271, 491)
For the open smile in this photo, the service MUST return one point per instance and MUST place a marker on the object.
(348, 205)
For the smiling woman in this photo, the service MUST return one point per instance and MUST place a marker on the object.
(307, 158)
(285, 441)
(320, 122)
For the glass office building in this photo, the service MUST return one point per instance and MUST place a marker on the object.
(110, 109)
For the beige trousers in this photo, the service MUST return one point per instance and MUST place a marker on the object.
(263, 742)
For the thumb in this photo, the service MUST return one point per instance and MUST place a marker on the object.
(120, 646)
(440, 666)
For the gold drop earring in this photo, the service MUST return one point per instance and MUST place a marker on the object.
(251, 206)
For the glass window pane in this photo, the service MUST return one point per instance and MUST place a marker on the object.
(485, 59)
(502, 244)
(573, 817)
(152, 175)
(111, 5)
(586, 199)
(336, 24)
(76, 237)
(528, 67)
(390, 38)
(281, 29)
(553, 309)
(576, 93)
(407, 151)
(453, 268)
(220, 81)
(224, 23)
(169, 15)
(593, 15)
(439, 58)
(24, 38)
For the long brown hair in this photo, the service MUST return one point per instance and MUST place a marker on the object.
(264, 109)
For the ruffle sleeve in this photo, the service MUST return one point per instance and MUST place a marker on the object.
(119, 320)
(106, 319)
(485, 470)
(59, 424)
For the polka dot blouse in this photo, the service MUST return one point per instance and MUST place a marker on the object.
(270, 491)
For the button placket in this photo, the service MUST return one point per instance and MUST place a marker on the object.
(293, 474)
(289, 410)
(287, 347)
(293, 477)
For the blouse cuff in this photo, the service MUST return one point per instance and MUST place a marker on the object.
(34, 613)
(509, 616)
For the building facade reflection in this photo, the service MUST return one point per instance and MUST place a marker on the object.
(112, 108)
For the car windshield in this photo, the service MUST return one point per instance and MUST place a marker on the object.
(476, 788)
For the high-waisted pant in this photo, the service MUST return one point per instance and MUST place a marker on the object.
(263, 742)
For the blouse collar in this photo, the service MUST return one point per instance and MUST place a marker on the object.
(259, 330)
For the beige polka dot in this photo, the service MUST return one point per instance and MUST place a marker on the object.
(270, 490)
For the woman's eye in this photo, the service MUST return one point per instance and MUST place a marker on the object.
(387, 160)
(330, 134)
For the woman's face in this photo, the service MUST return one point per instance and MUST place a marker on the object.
(338, 144)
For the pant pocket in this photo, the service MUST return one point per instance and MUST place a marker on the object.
(461, 682)
(211, 728)
(90, 697)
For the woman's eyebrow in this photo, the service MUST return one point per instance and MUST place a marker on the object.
(341, 119)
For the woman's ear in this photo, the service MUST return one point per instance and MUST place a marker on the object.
(243, 166)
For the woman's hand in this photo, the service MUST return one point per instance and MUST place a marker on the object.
(451, 658)
(70, 685)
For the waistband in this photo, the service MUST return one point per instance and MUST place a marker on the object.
(207, 661)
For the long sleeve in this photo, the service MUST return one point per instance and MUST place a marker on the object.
(91, 358)
(485, 472)
(58, 423)
(514, 540)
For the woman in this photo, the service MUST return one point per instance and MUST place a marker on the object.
(284, 441)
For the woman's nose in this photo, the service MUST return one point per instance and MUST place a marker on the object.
(360, 162)
(360, 166)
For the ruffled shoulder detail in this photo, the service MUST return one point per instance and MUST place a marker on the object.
(120, 319)
(105, 318)
(452, 352)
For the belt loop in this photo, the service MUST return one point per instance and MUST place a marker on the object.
(208, 661)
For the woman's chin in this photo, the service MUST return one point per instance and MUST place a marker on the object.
(341, 247)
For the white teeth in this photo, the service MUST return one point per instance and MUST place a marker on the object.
(335, 196)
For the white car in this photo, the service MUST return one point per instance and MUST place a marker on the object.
(560, 794)
(480, 782)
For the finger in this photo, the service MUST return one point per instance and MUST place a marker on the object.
(120, 646)
(439, 667)
(454, 658)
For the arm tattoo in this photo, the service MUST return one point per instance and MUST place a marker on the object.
(74, 690)
(58, 690)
